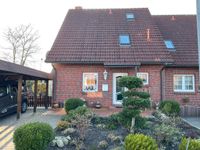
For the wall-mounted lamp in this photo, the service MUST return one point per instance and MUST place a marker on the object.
(105, 75)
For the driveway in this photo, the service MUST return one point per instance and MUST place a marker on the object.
(194, 121)
(8, 124)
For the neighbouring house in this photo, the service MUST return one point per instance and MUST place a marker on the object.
(95, 47)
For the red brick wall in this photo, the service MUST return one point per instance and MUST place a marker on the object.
(169, 91)
(69, 81)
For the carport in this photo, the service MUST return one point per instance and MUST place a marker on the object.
(11, 71)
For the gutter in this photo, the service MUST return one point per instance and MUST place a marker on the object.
(161, 83)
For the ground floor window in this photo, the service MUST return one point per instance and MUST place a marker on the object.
(144, 76)
(184, 83)
(90, 82)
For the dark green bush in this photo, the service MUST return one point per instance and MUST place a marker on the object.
(33, 136)
(194, 144)
(170, 107)
(73, 103)
(140, 142)
(130, 82)
(134, 101)
(140, 122)
(143, 95)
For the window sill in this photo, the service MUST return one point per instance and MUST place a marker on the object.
(185, 92)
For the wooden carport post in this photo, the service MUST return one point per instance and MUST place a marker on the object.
(19, 97)
(46, 98)
(35, 95)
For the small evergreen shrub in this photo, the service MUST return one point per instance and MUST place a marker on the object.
(79, 111)
(170, 107)
(167, 135)
(111, 122)
(73, 103)
(140, 122)
(194, 144)
(139, 142)
(61, 125)
(33, 136)
(134, 101)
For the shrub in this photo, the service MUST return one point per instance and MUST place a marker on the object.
(170, 107)
(61, 125)
(79, 111)
(110, 122)
(33, 136)
(168, 135)
(194, 144)
(134, 100)
(140, 141)
(73, 103)
(140, 122)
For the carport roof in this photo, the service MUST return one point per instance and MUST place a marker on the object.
(8, 68)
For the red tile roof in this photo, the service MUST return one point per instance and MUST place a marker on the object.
(182, 30)
(91, 36)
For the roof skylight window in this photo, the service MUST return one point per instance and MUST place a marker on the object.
(130, 16)
(124, 39)
(169, 44)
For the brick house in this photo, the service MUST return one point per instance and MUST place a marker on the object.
(95, 47)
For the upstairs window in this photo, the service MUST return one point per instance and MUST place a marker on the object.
(169, 44)
(130, 16)
(124, 39)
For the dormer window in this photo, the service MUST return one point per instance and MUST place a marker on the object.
(130, 16)
(169, 44)
(124, 39)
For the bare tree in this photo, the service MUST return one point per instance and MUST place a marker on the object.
(22, 43)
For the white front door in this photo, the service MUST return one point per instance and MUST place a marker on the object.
(117, 90)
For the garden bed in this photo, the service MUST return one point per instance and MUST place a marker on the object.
(98, 131)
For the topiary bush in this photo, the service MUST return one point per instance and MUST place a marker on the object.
(170, 107)
(134, 101)
(139, 142)
(194, 144)
(73, 103)
(33, 136)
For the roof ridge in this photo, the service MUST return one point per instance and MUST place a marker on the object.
(169, 15)
(109, 8)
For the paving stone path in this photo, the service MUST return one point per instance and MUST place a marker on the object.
(8, 124)
(193, 121)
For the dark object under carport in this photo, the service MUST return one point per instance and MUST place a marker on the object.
(11, 71)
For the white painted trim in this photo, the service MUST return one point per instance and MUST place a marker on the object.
(183, 83)
(145, 73)
(114, 87)
(83, 80)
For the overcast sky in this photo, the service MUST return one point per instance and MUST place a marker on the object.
(46, 16)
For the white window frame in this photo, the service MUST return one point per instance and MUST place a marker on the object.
(87, 91)
(183, 83)
(143, 73)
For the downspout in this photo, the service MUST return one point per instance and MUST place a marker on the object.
(161, 83)
(54, 83)
(198, 34)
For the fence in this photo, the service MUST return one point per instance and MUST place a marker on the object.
(41, 100)
(190, 111)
